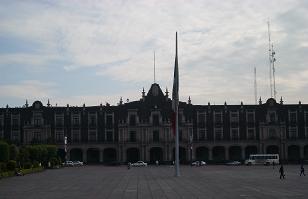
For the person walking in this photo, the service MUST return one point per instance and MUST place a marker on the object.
(281, 171)
(302, 170)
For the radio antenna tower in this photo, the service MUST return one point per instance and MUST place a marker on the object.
(272, 61)
(273, 68)
(270, 57)
(255, 85)
(154, 69)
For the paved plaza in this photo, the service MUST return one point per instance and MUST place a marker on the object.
(158, 182)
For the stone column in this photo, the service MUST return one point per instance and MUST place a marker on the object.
(210, 154)
(243, 153)
(84, 155)
(101, 154)
(301, 152)
(226, 153)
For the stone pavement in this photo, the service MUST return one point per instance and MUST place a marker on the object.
(158, 182)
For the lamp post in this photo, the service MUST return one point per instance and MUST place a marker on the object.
(65, 147)
(190, 145)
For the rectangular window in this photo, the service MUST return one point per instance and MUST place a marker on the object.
(92, 120)
(155, 119)
(235, 134)
(250, 117)
(37, 119)
(132, 136)
(75, 135)
(109, 121)
(92, 136)
(218, 117)
(180, 135)
(250, 133)
(292, 116)
(292, 132)
(15, 121)
(218, 132)
(36, 137)
(15, 135)
(109, 135)
(59, 136)
(155, 136)
(59, 120)
(76, 120)
(201, 118)
(132, 120)
(202, 134)
(234, 117)
(1, 121)
(306, 118)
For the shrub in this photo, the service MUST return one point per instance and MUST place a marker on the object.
(27, 165)
(13, 152)
(36, 164)
(11, 165)
(2, 167)
(53, 161)
(4, 152)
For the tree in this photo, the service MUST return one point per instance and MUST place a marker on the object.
(4, 152)
(13, 152)
(23, 156)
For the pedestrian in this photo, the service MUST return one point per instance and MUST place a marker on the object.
(156, 162)
(281, 171)
(302, 170)
(128, 165)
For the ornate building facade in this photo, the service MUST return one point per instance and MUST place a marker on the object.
(141, 130)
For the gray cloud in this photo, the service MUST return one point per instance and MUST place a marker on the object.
(219, 43)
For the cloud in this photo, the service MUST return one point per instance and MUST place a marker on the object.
(30, 89)
(219, 44)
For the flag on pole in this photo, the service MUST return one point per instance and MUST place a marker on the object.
(175, 90)
(175, 108)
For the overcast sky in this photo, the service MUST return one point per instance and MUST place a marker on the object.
(92, 52)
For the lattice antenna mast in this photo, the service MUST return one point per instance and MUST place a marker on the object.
(270, 57)
(255, 86)
(154, 69)
(273, 59)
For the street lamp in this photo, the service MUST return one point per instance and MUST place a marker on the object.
(65, 147)
(190, 145)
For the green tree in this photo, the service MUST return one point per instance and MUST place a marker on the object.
(52, 151)
(13, 152)
(4, 152)
(23, 156)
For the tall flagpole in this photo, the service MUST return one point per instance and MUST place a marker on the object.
(176, 106)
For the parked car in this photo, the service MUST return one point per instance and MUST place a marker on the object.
(68, 163)
(233, 163)
(78, 163)
(139, 164)
(198, 163)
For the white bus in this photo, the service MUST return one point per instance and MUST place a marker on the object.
(265, 159)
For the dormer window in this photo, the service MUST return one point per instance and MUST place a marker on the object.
(155, 119)
(132, 120)
(272, 117)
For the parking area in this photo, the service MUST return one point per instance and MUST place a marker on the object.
(158, 182)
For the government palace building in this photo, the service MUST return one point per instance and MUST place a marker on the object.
(141, 130)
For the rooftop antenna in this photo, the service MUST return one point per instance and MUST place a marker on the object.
(270, 57)
(273, 59)
(255, 85)
(154, 68)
